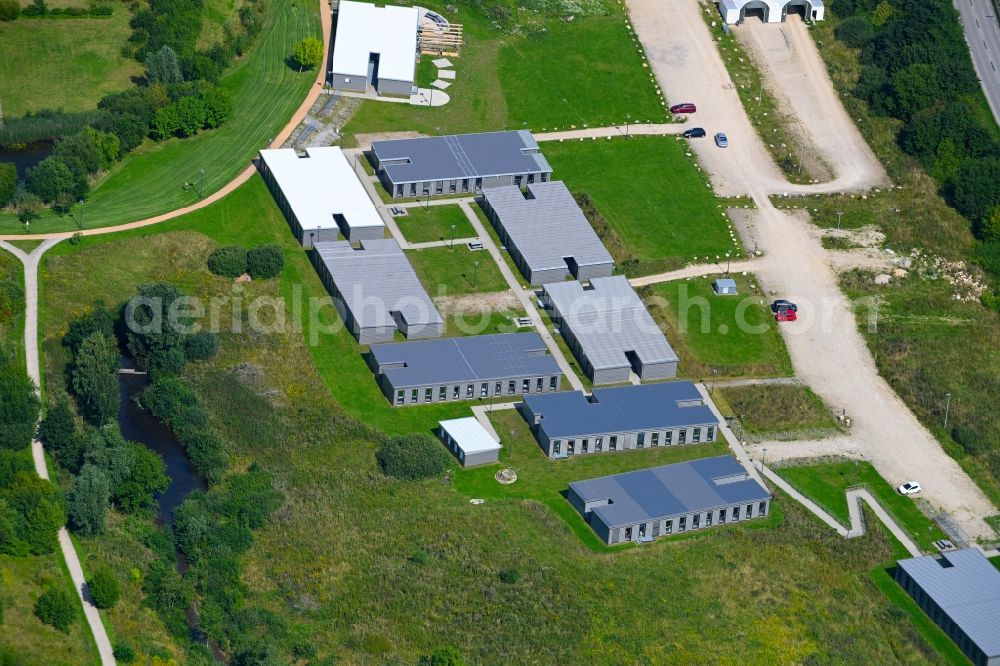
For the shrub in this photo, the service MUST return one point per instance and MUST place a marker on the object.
(509, 576)
(265, 262)
(104, 588)
(447, 655)
(55, 607)
(9, 9)
(856, 31)
(416, 456)
(19, 407)
(228, 261)
(201, 346)
(969, 440)
(41, 509)
(124, 652)
(11, 300)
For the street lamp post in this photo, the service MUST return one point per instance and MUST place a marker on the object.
(475, 274)
(628, 119)
(727, 263)
(201, 184)
(451, 245)
(840, 214)
(763, 460)
(947, 408)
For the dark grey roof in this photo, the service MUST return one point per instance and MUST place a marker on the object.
(446, 360)
(376, 281)
(967, 588)
(670, 490)
(460, 156)
(609, 319)
(621, 409)
(546, 226)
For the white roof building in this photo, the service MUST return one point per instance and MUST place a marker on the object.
(471, 443)
(376, 45)
(321, 195)
(769, 11)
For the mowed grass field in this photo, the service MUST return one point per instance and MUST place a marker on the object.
(67, 64)
(522, 81)
(374, 570)
(651, 193)
(825, 484)
(735, 335)
(433, 223)
(455, 271)
(150, 181)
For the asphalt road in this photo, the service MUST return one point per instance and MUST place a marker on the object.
(982, 32)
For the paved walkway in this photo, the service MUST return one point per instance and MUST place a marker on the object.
(30, 262)
(244, 176)
(482, 413)
(637, 129)
(750, 381)
(701, 270)
(423, 97)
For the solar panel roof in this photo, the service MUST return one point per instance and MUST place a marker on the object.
(670, 490)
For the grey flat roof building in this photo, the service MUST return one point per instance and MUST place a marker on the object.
(620, 418)
(609, 330)
(641, 505)
(477, 366)
(546, 233)
(458, 163)
(376, 291)
(960, 591)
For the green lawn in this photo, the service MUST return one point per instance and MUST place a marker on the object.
(545, 480)
(825, 484)
(454, 271)
(517, 81)
(735, 335)
(67, 64)
(339, 562)
(458, 324)
(433, 223)
(658, 204)
(266, 91)
(23, 637)
(779, 411)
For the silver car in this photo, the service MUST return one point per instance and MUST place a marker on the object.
(720, 140)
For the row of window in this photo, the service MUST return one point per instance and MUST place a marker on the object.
(696, 522)
(454, 186)
(641, 438)
(470, 390)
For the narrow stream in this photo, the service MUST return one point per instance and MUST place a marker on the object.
(138, 425)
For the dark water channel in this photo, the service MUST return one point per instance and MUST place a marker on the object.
(27, 157)
(138, 425)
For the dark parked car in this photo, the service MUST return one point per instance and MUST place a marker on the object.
(684, 107)
(694, 133)
(782, 304)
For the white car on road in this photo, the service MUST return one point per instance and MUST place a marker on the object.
(910, 488)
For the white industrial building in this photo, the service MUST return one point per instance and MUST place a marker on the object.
(469, 441)
(769, 11)
(321, 195)
(375, 46)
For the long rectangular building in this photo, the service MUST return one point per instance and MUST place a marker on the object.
(960, 592)
(609, 330)
(649, 503)
(375, 46)
(546, 233)
(376, 291)
(619, 419)
(458, 163)
(320, 195)
(467, 368)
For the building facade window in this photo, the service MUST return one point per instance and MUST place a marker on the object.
(682, 436)
(722, 515)
(571, 447)
(682, 524)
(628, 533)
(669, 527)
(526, 386)
(696, 435)
(598, 444)
(484, 390)
(708, 519)
(654, 439)
(583, 445)
(428, 394)
(668, 437)
(511, 387)
(556, 446)
(539, 385)
(553, 382)
(761, 508)
(749, 510)
(696, 521)
(455, 394)
(498, 388)
(613, 443)
(710, 434)
(443, 393)
(413, 395)
(400, 396)
(640, 440)
(736, 513)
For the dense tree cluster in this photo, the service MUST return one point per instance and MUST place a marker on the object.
(19, 404)
(261, 263)
(916, 67)
(160, 330)
(32, 509)
(417, 456)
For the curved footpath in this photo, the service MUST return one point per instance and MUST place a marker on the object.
(326, 21)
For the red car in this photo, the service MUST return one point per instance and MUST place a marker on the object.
(785, 314)
(685, 107)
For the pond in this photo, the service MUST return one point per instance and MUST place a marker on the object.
(26, 157)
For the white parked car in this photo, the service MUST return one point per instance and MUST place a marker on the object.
(910, 488)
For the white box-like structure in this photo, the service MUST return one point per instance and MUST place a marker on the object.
(376, 46)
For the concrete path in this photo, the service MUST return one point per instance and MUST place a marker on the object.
(482, 413)
(700, 270)
(982, 33)
(636, 129)
(440, 243)
(423, 97)
(522, 296)
(734, 442)
(763, 381)
(30, 262)
(326, 22)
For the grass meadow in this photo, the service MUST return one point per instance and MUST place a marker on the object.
(736, 335)
(433, 223)
(515, 78)
(779, 411)
(374, 570)
(152, 179)
(67, 64)
(456, 271)
(656, 200)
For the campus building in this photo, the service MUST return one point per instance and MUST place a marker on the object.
(374, 46)
(649, 503)
(469, 441)
(960, 591)
(546, 233)
(769, 11)
(375, 290)
(609, 330)
(458, 163)
(619, 419)
(467, 368)
(320, 195)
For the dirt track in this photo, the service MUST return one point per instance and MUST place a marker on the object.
(825, 345)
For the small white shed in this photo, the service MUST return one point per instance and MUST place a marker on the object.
(471, 443)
